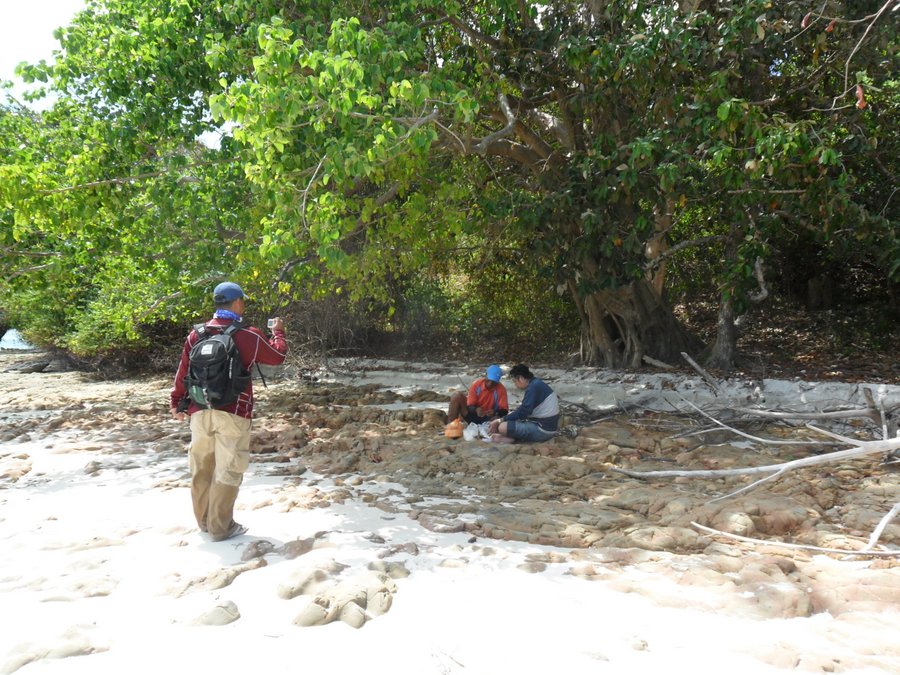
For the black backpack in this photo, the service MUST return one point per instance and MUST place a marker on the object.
(216, 375)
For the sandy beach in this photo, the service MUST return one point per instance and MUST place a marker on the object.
(376, 543)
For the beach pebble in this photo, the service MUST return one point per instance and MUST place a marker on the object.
(220, 615)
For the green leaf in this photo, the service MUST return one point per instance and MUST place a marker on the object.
(723, 110)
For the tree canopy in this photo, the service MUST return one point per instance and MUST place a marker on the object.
(568, 151)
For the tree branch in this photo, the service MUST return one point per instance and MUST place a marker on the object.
(27, 270)
(524, 15)
(477, 36)
(172, 296)
(33, 254)
(669, 252)
(516, 152)
(132, 179)
(874, 20)
(291, 264)
(763, 292)
(883, 523)
(706, 376)
(483, 144)
(861, 449)
(781, 544)
(306, 193)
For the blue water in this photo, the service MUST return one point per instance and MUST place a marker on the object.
(13, 340)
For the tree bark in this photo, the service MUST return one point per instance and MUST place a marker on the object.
(620, 327)
(658, 245)
(723, 350)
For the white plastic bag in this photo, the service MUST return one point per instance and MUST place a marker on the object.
(483, 430)
(470, 433)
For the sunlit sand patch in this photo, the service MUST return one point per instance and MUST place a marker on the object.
(76, 641)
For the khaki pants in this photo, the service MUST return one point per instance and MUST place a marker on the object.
(219, 456)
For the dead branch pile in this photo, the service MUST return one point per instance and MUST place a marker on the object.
(887, 447)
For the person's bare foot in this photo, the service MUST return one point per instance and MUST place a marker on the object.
(500, 438)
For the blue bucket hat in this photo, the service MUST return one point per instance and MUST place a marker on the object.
(494, 373)
(227, 291)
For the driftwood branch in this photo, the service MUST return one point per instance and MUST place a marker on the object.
(861, 449)
(805, 547)
(657, 363)
(850, 413)
(586, 416)
(874, 411)
(709, 379)
(887, 446)
(876, 534)
(767, 441)
(879, 416)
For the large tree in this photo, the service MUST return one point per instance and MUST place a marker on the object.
(590, 123)
(373, 139)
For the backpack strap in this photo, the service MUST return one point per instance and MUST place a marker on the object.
(232, 328)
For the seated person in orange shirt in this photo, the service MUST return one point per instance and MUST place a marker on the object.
(486, 399)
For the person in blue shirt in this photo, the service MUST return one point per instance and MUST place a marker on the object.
(536, 419)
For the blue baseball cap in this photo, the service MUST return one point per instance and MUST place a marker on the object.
(227, 291)
(494, 373)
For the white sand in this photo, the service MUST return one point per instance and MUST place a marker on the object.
(92, 565)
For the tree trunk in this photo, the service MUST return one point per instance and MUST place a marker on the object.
(725, 347)
(620, 327)
(723, 351)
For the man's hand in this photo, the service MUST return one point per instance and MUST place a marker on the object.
(494, 426)
(180, 416)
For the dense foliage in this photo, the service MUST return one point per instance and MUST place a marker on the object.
(510, 164)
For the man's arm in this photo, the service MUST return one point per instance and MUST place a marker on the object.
(179, 392)
(527, 406)
(267, 351)
(502, 401)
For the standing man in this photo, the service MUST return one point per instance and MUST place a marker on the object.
(536, 419)
(220, 436)
(486, 399)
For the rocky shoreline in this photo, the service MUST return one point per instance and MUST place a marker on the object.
(353, 438)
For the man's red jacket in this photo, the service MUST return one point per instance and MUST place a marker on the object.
(254, 348)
